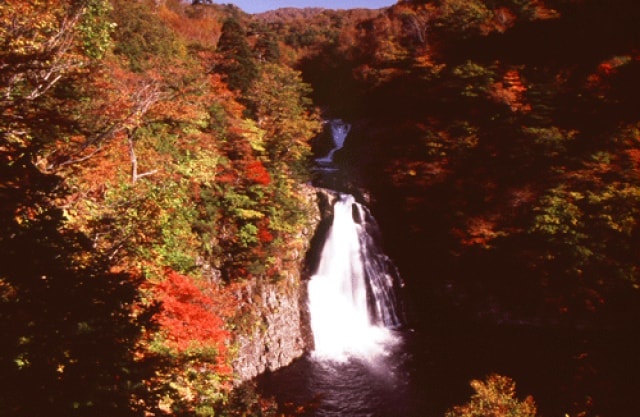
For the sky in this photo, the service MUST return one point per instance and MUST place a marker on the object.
(257, 6)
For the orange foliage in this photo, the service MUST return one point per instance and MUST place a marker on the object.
(418, 173)
(479, 231)
(542, 12)
(503, 19)
(126, 96)
(510, 91)
(204, 29)
(598, 82)
(40, 47)
(496, 397)
(106, 169)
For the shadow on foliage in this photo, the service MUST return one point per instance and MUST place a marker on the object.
(70, 327)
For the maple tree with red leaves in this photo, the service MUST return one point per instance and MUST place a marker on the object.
(257, 173)
(189, 320)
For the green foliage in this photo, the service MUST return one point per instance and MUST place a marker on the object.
(96, 29)
(238, 66)
(589, 222)
(291, 210)
(245, 400)
(495, 397)
(560, 220)
(218, 120)
(248, 235)
(462, 17)
(141, 36)
(267, 47)
(238, 213)
(552, 140)
(194, 376)
(474, 79)
(280, 102)
(178, 246)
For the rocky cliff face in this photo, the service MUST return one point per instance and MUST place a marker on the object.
(279, 330)
(281, 333)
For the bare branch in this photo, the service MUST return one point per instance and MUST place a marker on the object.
(40, 65)
(148, 94)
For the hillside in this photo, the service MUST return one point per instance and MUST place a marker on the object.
(152, 186)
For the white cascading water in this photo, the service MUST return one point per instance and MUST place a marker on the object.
(352, 297)
(339, 132)
(359, 365)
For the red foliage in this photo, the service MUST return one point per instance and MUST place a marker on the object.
(634, 156)
(227, 176)
(257, 173)
(264, 235)
(599, 81)
(187, 316)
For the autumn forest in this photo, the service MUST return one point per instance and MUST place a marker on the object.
(155, 170)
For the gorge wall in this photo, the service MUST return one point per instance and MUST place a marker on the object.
(278, 331)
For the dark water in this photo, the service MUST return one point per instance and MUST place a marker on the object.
(379, 386)
(567, 372)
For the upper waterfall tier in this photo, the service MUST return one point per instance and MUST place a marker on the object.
(339, 132)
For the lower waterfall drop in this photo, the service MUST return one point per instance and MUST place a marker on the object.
(352, 296)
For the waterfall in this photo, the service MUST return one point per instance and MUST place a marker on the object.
(339, 132)
(352, 295)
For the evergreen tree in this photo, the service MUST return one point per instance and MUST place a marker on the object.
(267, 48)
(238, 64)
